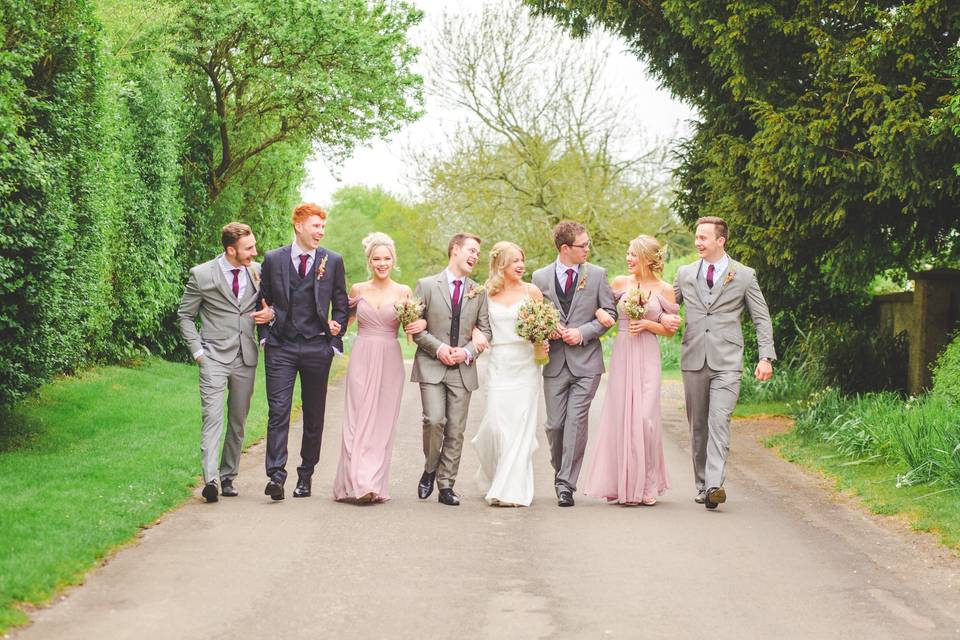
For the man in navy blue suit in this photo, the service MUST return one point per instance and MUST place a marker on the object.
(305, 286)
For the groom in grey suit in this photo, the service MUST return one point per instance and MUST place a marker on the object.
(223, 293)
(571, 377)
(444, 363)
(715, 291)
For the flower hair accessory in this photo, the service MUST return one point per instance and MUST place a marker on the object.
(322, 267)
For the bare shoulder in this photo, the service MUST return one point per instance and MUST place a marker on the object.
(619, 282)
(405, 291)
(357, 289)
(534, 291)
(666, 290)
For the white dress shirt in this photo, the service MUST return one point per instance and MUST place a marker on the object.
(719, 268)
(242, 277)
(562, 272)
(295, 253)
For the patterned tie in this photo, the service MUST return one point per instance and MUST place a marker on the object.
(303, 265)
(710, 276)
(236, 282)
(569, 283)
(456, 293)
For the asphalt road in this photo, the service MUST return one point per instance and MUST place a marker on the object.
(782, 559)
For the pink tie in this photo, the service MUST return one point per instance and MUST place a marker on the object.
(566, 287)
(236, 282)
(456, 293)
(303, 265)
(710, 276)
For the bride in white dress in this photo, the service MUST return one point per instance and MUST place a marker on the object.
(507, 436)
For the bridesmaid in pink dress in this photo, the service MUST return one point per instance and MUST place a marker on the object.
(627, 465)
(375, 379)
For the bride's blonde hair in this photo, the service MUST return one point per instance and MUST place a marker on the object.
(501, 255)
(649, 251)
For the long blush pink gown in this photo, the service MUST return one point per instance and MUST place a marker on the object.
(375, 380)
(627, 465)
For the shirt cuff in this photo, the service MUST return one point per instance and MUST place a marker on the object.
(469, 356)
(337, 351)
(197, 354)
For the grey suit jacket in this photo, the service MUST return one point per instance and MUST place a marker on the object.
(591, 292)
(225, 322)
(438, 312)
(712, 334)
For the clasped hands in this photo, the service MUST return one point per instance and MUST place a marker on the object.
(569, 335)
(451, 355)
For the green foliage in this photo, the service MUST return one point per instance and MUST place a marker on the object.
(946, 373)
(814, 138)
(853, 358)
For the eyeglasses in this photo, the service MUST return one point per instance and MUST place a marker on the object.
(584, 246)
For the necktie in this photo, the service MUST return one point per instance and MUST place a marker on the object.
(236, 282)
(569, 283)
(303, 265)
(456, 293)
(710, 276)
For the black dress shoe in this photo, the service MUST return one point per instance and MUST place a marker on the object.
(274, 489)
(565, 498)
(425, 488)
(210, 491)
(448, 497)
(228, 490)
(303, 488)
(715, 496)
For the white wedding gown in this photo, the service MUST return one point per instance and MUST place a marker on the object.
(507, 436)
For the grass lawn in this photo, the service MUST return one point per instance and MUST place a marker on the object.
(925, 507)
(754, 409)
(90, 461)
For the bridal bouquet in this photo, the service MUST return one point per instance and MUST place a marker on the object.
(408, 310)
(635, 304)
(536, 320)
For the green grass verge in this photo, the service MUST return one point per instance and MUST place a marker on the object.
(91, 460)
(754, 409)
(927, 508)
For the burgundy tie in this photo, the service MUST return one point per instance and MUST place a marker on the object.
(569, 283)
(236, 282)
(456, 293)
(303, 265)
(710, 276)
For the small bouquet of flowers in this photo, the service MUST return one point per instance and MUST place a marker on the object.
(408, 310)
(536, 320)
(635, 304)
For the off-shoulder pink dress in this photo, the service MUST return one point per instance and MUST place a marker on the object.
(375, 380)
(627, 465)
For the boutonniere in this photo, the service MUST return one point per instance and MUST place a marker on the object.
(473, 292)
(255, 277)
(583, 282)
(322, 267)
(729, 277)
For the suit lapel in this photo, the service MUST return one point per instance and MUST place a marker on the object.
(318, 255)
(221, 282)
(581, 277)
(727, 278)
(552, 288)
(695, 280)
(444, 289)
(283, 291)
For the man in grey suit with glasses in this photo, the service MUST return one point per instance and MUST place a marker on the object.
(715, 291)
(223, 293)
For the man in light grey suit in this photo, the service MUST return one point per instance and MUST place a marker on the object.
(715, 291)
(443, 365)
(571, 377)
(223, 294)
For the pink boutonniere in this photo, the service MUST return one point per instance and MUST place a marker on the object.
(729, 277)
(473, 292)
(322, 267)
(583, 282)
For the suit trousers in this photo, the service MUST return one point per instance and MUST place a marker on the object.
(311, 358)
(445, 407)
(711, 397)
(568, 399)
(235, 380)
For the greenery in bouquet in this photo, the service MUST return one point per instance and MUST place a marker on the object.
(635, 303)
(408, 310)
(536, 320)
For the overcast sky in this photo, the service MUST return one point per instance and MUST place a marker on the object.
(382, 163)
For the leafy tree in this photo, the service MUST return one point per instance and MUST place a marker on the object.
(814, 138)
(547, 140)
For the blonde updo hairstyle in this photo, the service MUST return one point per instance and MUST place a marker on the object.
(501, 255)
(649, 251)
(374, 241)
